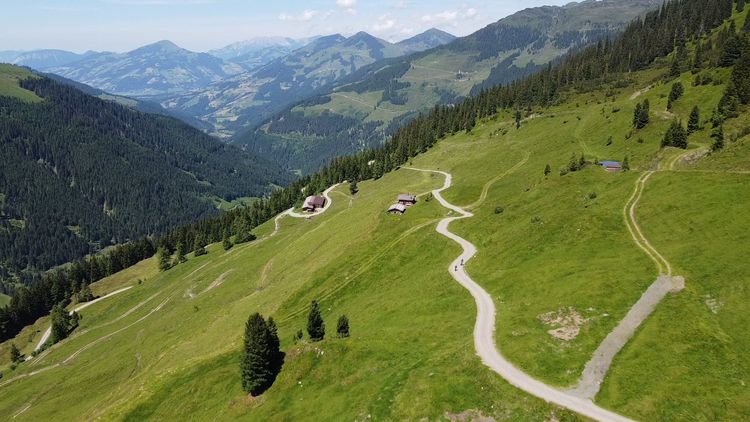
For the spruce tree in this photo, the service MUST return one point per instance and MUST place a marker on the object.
(547, 170)
(741, 74)
(85, 295)
(677, 90)
(164, 259)
(740, 6)
(342, 327)
(256, 364)
(199, 248)
(226, 243)
(517, 117)
(316, 328)
(61, 324)
(181, 253)
(694, 123)
(353, 188)
(718, 137)
(637, 115)
(15, 354)
(626, 164)
(676, 136)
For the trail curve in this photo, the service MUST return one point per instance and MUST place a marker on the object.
(484, 329)
(47, 333)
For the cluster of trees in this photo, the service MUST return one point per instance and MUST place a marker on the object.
(676, 136)
(262, 358)
(316, 327)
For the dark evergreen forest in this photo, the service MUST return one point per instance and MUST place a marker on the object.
(80, 173)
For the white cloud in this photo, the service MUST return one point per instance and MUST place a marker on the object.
(400, 4)
(447, 16)
(384, 23)
(305, 16)
(349, 5)
(451, 17)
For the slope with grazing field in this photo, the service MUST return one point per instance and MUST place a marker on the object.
(554, 252)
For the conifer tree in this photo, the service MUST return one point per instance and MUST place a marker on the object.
(226, 242)
(164, 259)
(695, 120)
(626, 163)
(85, 295)
(342, 327)
(61, 324)
(676, 136)
(547, 170)
(353, 188)
(256, 364)
(677, 90)
(517, 117)
(316, 328)
(740, 6)
(15, 354)
(200, 245)
(181, 253)
(718, 137)
(729, 104)
(741, 74)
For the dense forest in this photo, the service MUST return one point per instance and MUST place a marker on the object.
(80, 173)
(663, 33)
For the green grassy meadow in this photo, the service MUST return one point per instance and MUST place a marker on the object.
(168, 348)
(9, 77)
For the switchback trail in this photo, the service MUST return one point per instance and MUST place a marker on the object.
(484, 329)
(47, 333)
(596, 368)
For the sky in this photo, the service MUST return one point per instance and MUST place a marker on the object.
(201, 25)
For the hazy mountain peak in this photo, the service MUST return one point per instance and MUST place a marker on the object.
(431, 38)
(165, 46)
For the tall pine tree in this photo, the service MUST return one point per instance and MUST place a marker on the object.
(694, 124)
(316, 328)
(259, 363)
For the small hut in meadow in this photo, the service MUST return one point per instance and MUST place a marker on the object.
(397, 209)
(313, 203)
(406, 199)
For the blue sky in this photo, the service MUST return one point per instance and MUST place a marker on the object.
(121, 25)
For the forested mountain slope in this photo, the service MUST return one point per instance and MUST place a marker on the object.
(364, 108)
(80, 173)
(241, 102)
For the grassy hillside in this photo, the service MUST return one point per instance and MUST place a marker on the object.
(9, 77)
(168, 348)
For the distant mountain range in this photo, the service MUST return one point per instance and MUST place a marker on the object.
(240, 102)
(154, 70)
(256, 52)
(366, 105)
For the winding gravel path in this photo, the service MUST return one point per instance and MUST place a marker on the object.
(47, 333)
(326, 194)
(484, 329)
